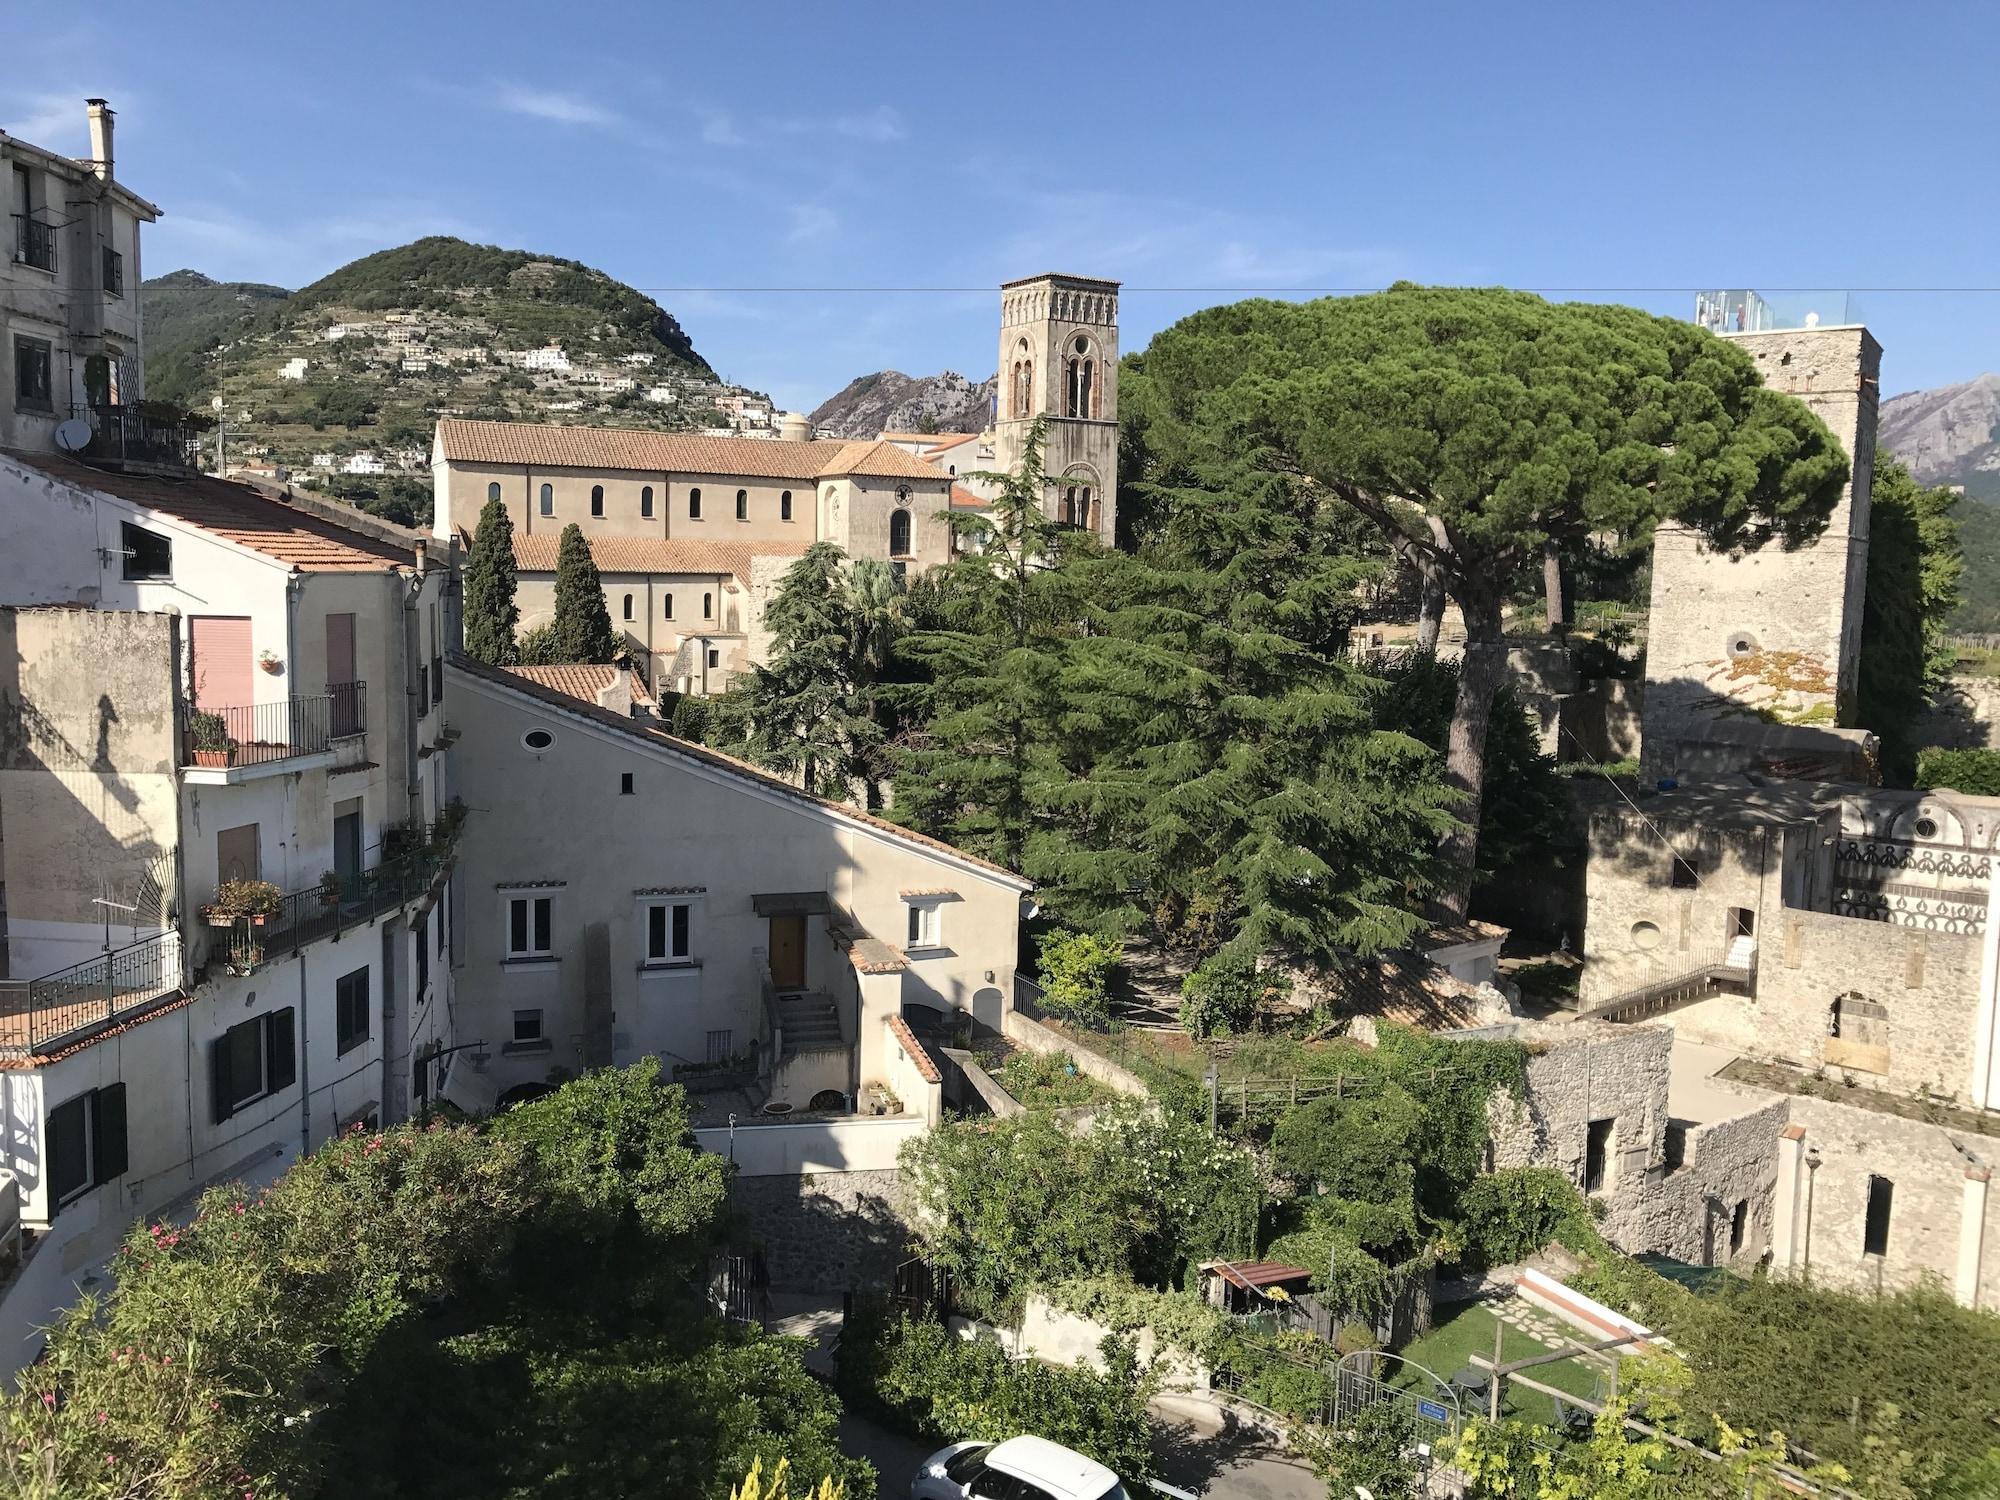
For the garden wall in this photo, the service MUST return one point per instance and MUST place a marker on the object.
(826, 1231)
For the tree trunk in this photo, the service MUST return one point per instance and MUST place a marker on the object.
(1430, 610)
(1480, 674)
(1552, 585)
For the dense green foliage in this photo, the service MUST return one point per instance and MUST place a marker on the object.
(1470, 428)
(1978, 521)
(1974, 772)
(807, 712)
(1227, 992)
(1076, 970)
(542, 296)
(1914, 567)
(490, 612)
(1048, 1080)
(927, 1380)
(1142, 1195)
(528, 1283)
(186, 315)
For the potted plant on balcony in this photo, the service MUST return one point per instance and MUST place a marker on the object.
(329, 889)
(257, 900)
(210, 736)
(271, 662)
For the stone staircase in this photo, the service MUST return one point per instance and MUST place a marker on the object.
(810, 1022)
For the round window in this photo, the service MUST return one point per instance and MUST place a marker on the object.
(1645, 935)
(1926, 828)
(538, 740)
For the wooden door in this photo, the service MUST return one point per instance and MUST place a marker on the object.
(788, 952)
(224, 666)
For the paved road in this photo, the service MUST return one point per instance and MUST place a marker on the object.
(1228, 1464)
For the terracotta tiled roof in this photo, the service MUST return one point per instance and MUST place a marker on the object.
(941, 892)
(661, 739)
(1451, 935)
(907, 1040)
(963, 499)
(236, 513)
(652, 554)
(940, 441)
(1256, 1274)
(581, 679)
(548, 446)
(18, 1059)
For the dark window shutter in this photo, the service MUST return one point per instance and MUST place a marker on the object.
(281, 1069)
(108, 1131)
(219, 1077)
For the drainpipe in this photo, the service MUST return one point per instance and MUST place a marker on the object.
(305, 1065)
(413, 644)
(1812, 1171)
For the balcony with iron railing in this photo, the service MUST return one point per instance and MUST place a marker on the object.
(283, 924)
(157, 436)
(34, 243)
(41, 1016)
(241, 743)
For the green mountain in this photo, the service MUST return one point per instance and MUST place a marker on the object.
(342, 381)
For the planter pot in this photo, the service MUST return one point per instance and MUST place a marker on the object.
(259, 918)
(215, 916)
(215, 757)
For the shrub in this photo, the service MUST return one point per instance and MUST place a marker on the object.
(688, 719)
(1076, 973)
(926, 1380)
(1227, 993)
(1512, 1214)
(1973, 772)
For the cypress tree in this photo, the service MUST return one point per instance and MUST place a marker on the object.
(804, 713)
(582, 626)
(490, 611)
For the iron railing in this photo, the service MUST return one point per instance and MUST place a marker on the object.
(306, 916)
(42, 1015)
(1710, 975)
(34, 242)
(258, 733)
(139, 434)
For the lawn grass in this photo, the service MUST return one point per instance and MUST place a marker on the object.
(1049, 1081)
(1467, 1330)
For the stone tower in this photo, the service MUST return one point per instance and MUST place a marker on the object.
(1059, 359)
(1753, 657)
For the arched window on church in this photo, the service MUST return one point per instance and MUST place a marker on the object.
(1076, 506)
(1081, 379)
(1024, 381)
(899, 533)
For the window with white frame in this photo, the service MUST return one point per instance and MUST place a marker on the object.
(669, 932)
(527, 1028)
(529, 920)
(926, 925)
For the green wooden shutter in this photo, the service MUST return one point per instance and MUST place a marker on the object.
(281, 1067)
(108, 1132)
(219, 1074)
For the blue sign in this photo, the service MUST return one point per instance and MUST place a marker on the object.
(1435, 1412)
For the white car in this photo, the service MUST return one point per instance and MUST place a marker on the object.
(1022, 1468)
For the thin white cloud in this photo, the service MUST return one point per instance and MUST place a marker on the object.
(812, 221)
(718, 129)
(879, 125)
(552, 105)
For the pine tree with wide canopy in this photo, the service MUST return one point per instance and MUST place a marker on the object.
(1473, 427)
(803, 713)
(490, 611)
(581, 630)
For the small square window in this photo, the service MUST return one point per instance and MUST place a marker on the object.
(669, 926)
(714, 658)
(1684, 876)
(527, 1025)
(624, 783)
(33, 363)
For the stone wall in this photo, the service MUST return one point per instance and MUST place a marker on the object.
(1589, 1071)
(1689, 1213)
(828, 1232)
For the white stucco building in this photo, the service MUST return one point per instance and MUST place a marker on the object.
(201, 684)
(644, 896)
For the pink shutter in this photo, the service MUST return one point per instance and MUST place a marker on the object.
(224, 666)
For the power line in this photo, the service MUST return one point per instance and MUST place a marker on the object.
(1126, 289)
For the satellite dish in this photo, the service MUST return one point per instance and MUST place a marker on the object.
(73, 436)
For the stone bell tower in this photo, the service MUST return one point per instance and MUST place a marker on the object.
(1755, 654)
(1059, 360)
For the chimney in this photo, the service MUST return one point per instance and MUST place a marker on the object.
(422, 549)
(101, 120)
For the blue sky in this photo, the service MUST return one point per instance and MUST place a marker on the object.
(716, 151)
